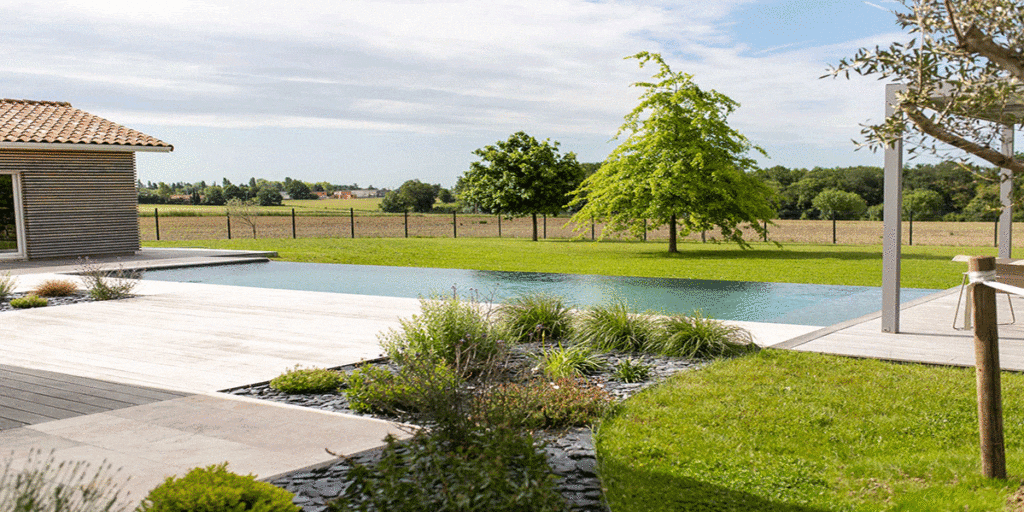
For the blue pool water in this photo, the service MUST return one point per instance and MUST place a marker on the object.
(787, 303)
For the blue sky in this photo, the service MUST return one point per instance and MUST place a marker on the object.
(376, 92)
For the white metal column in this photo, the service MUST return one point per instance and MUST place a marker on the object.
(1005, 197)
(892, 217)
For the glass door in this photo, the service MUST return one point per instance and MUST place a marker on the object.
(9, 209)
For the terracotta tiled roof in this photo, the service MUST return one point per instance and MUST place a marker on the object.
(58, 122)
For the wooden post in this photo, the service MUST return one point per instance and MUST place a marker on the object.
(352, 221)
(910, 228)
(995, 234)
(987, 369)
(227, 215)
(545, 226)
(592, 237)
(156, 217)
(293, 223)
(833, 227)
(645, 230)
(406, 212)
(455, 225)
(766, 230)
(499, 224)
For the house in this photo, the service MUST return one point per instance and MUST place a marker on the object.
(67, 182)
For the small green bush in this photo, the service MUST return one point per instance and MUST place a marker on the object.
(631, 371)
(500, 471)
(56, 288)
(215, 489)
(45, 485)
(420, 387)
(535, 317)
(7, 284)
(106, 285)
(307, 380)
(29, 301)
(615, 327)
(701, 338)
(534, 404)
(572, 361)
(447, 329)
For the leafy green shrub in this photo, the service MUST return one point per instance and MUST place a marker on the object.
(698, 337)
(307, 380)
(7, 284)
(106, 285)
(631, 371)
(215, 489)
(535, 317)
(422, 386)
(499, 471)
(538, 403)
(29, 301)
(447, 329)
(45, 485)
(615, 327)
(574, 361)
(56, 288)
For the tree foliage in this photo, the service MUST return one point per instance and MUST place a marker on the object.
(681, 163)
(963, 65)
(268, 196)
(842, 205)
(521, 176)
(412, 195)
(923, 203)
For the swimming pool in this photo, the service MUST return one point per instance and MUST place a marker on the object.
(786, 303)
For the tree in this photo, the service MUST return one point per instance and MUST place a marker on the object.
(521, 176)
(962, 67)
(267, 196)
(297, 189)
(244, 210)
(412, 195)
(923, 203)
(214, 195)
(681, 163)
(843, 205)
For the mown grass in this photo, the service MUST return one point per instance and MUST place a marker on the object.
(923, 266)
(788, 431)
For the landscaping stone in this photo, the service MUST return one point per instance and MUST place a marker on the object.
(77, 298)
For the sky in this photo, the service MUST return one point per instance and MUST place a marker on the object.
(377, 92)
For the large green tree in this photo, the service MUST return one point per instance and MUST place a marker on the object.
(521, 176)
(412, 195)
(681, 165)
(963, 64)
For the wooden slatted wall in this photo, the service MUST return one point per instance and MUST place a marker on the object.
(76, 203)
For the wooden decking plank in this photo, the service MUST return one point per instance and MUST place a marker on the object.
(9, 424)
(68, 392)
(30, 412)
(51, 401)
(88, 394)
(41, 376)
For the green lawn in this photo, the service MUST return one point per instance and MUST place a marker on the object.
(923, 266)
(798, 432)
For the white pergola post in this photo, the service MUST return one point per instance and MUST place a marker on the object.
(892, 215)
(1005, 197)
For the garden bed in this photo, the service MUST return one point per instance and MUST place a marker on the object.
(77, 298)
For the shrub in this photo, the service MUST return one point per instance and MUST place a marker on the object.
(615, 327)
(29, 301)
(422, 386)
(535, 317)
(215, 489)
(631, 371)
(574, 361)
(45, 485)
(698, 337)
(7, 284)
(499, 471)
(307, 380)
(56, 288)
(446, 329)
(104, 285)
(538, 403)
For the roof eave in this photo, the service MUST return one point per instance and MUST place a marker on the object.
(69, 146)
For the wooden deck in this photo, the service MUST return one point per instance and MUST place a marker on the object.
(28, 397)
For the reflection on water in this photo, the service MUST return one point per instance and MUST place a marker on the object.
(805, 304)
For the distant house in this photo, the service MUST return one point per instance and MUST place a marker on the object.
(67, 181)
(320, 195)
(359, 193)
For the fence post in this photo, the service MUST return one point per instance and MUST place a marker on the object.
(455, 225)
(910, 230)
(995, 234)
(228, 216)
(833, 227)
(545, 226)
(406, 212)
(293, 223)
(592, 237)
(987, 369)
(156, 217)
(766, 230)
(352, 221)
(645, 230)
(499, 224)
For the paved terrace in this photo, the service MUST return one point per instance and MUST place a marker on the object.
(135, 381)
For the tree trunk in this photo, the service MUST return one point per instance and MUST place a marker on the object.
(672, 235)
(534, 226)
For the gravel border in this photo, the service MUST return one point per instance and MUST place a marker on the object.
(570, 452)
(77, 298)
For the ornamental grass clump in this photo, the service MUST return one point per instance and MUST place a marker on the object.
(535, 317)
(108, 285)
(45, 485)
(615, 327)
(542, 404)
(572, 361)
(7, 284)
(56, 288)
(29, 301)
(630, 371)
(697, 337)
(307, 380)
(215, 489)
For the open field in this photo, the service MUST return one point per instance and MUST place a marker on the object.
(330, 223)
(301, 206)
(923, 266)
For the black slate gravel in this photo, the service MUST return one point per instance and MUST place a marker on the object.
(570, 452)
(5, 305)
